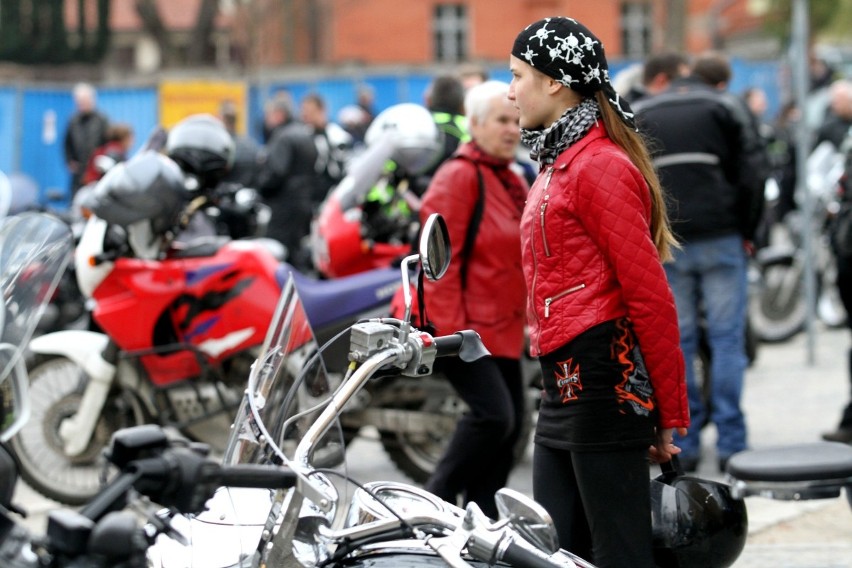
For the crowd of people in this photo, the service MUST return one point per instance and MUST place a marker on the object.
(619, 244)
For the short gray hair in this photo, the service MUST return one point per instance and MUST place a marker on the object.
(84, 91)
(478, 98)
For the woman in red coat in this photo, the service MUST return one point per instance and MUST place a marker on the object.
(483, 290)
(601, 314)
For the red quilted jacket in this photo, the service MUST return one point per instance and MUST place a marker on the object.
(589, 258)
(492, 302)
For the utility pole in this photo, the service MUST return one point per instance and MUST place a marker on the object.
(801, 85)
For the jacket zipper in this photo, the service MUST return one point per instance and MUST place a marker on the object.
(543, 209)
(550, 300)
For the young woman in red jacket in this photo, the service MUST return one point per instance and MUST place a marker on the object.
(601, 314)
(482, 290)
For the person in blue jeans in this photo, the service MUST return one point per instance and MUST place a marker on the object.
(713, 166)
(708, 279)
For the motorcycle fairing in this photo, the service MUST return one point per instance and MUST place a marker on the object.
(182, 307)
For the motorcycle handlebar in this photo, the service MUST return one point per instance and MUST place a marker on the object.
(467, 345)
(256, 476)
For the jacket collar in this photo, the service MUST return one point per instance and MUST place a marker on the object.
(597, 132)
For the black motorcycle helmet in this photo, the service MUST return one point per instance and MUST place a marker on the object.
(149, 186)
(202, 147)
(696, 522)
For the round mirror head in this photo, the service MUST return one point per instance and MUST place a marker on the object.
(434, 247)
(528, 518)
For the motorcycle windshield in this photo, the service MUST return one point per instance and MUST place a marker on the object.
(363, 174)
(287, 389)
(34, 251)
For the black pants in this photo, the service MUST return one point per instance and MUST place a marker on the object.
(600, 503)
(480, 455)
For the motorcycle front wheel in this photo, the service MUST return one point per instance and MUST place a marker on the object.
(56, 388)
(779, 310)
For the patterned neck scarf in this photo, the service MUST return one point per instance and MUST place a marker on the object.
(567, 51)
(548, 143)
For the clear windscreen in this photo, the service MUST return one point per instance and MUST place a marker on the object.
(287, 389)
(34, 251)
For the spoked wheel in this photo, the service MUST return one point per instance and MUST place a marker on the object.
(56, 388)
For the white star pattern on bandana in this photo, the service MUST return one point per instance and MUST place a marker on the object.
(568, 52)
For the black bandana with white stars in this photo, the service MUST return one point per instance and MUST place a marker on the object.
(565, 50)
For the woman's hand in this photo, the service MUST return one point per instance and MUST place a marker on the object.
(664, 448)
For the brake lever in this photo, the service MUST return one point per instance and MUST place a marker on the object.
(467, 534)
(162, 523)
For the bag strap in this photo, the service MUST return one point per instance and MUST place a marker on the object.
(473, 226)
(467, 248)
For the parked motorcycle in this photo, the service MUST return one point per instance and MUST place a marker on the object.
(181, 325)
(779, 309)
(289, 418)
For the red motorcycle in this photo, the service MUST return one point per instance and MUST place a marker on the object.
(181, 325)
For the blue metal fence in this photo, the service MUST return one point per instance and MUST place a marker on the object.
(33, 119)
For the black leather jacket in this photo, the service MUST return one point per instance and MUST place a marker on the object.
(710, 158)
(286, 179)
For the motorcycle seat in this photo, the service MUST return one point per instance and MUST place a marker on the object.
(199, 247)
(328, 301)
(770, 256)
(816, 461)
(818, 470)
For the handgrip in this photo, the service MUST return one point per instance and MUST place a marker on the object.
(466, 344)
(523, 557)
(256, 476)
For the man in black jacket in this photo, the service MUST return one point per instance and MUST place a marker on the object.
(286, 179)
(86, 131)
(713, 166)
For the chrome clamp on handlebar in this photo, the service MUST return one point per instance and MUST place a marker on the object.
(418, 348)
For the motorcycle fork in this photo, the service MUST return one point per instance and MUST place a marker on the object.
(76, 431)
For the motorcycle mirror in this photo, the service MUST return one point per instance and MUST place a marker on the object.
(434, 247)
(528, 518)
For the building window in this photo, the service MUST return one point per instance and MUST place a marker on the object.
(450, 32)
(636, 25)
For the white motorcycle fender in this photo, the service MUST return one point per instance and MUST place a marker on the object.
(84, 348)
(90, 275)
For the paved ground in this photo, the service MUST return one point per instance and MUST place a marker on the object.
(787, 400)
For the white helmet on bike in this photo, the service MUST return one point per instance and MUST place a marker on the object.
(410, 132)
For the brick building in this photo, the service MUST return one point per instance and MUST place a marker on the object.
(271, 34)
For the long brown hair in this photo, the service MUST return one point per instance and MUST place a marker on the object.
(630, 141)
